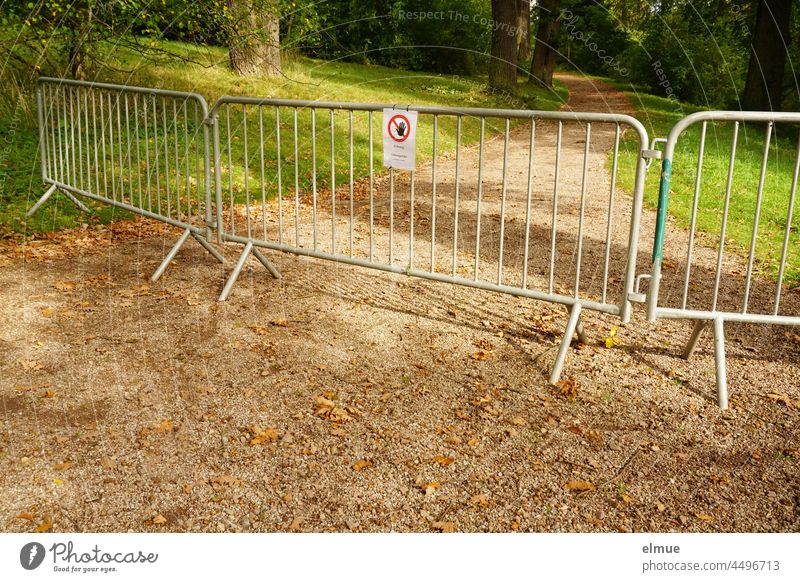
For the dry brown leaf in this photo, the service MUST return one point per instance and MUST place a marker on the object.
(296, 524)
(328, 409)
(781, 398)
(49, 393)
(704, 516)
(479, 500)
(578, 486)
(481, 355)
(47, 311)
(45, 526)
(28, 516)
(429, 488)
(159, 520)
(63, 466)
(166, 426)
(362, 464)
(568, 388)
(519, 421)
(442, 460)
(444, 526)
(661, 507)
(258, 329)
(67, 286)
(225, 480)
(473, 442)
(484, 344)
(625, 498)
(575, 429)
(269, 435)
(30, 365)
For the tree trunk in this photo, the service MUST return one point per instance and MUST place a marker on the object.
(254, 37)
(524, 31)
(503, 63)
(546, 45)
(763, 88)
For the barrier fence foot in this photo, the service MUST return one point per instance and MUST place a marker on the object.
(177, 246)
(572, 324)
(719, 355)
(49, 193)
(699, 326)
(237, 269)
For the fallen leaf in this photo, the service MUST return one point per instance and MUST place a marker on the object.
(444, 526)
(611, 340)
(262, 436)
(360, 465)
(479, 500)
(166, 426)
(578, 486)
(661, 507)
(28, 516)
(47, 311)
(45, 526)
(296, 524)
(225, 480)
(625, 498)
(473, 442)
(30, 365)
(704, 517)
(781, 398)
(575, 429)
(429, 488)
(481, 355)
(519, 421)
(58, 482)
(568, 388)
(444, 461)
(63, 466)
(49, 393)
(159, 520)
(67, 286)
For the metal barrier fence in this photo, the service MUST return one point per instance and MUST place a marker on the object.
(701, 293)
(284, 175)
(142, 150)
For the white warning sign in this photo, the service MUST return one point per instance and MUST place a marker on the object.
(399, 139)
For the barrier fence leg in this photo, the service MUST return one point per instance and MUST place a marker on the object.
(237, 269)
(47, 195)
(719, 355)
(177, 246)
(572, 324)
(699, 326)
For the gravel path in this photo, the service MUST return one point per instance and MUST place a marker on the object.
(341, 399)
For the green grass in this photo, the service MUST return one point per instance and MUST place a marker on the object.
(659, 115)
(204, 70)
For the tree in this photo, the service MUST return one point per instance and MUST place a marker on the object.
(523, 31)
(254, 37)
(503, 62)
(546, 45)
(770, 45)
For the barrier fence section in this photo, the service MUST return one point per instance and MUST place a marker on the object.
(500, 219)
(139, 149)
(755, 200)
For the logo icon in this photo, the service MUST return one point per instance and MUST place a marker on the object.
(31, 555)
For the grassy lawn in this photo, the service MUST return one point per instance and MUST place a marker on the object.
(659, 115)
(204, 70)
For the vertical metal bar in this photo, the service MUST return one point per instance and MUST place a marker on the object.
(725, 217)
(156, 156)
(719, 356)
(177, 159)
(371, 192)
(296, 185)
(583, 208)
(217, 178)
(555, 211)
(788, 230)
(166, 156)
(71, 150)
(478, 202)
(528, 206)
(610, 218)
(411, 225)
(138, 150)
(455, 199)
(693, 220)
(60, 106)
(280, 173)
(207, 178)
(333, 186)
(111, 147)
(80, 135)
(146, 153)
(391, 216)
(86, 132)
(352, 217)
(759, 199)
(503, 205)
(261, 172)
(94, 142)
(187, 185)
(246, 171)
(119, 138)
(230, 168)
(43, 141)
(433, 195)
(128, 148)
(314, 176)
(198, 177)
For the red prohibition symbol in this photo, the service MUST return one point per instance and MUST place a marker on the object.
(399, 128)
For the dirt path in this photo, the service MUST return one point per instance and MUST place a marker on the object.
(345, 399)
